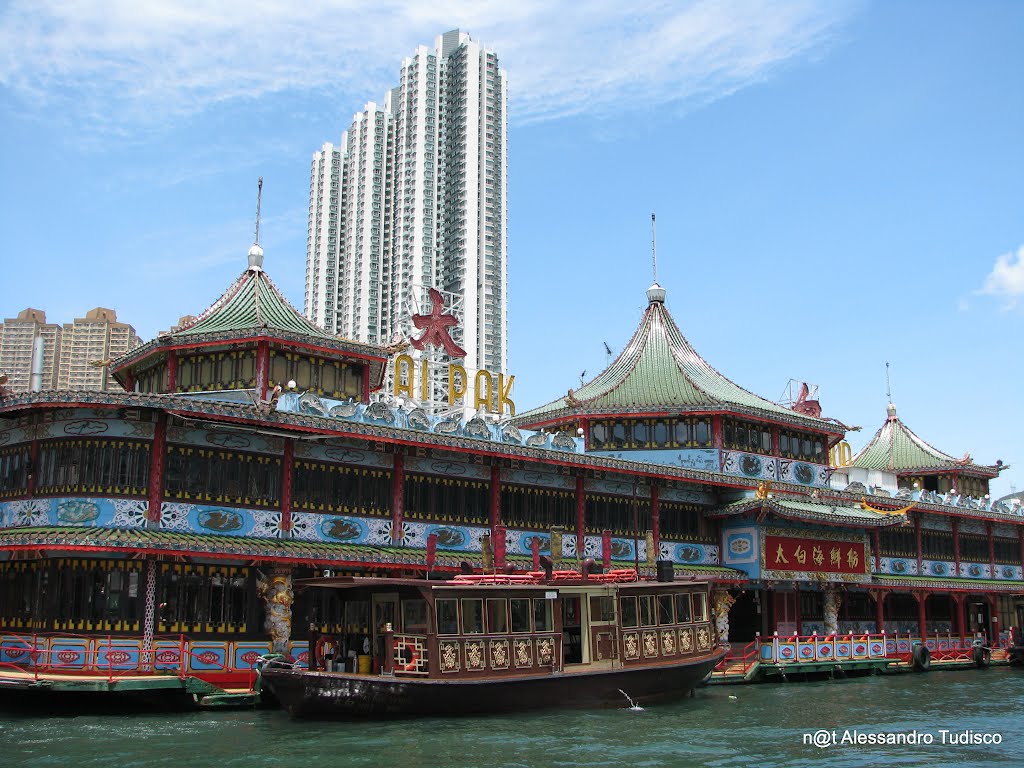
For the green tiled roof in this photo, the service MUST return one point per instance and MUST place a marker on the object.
(659, 370)
(248, 547)
(985, 585)
(252, 301)
(895, 448)
(812, 511)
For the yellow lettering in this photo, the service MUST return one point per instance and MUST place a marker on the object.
(801, 554)
(840, 455)
(484, 390)
(404, 370)
(504, 390)
(456, 386)
(424, 383)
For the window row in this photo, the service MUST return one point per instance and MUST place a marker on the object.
(650, 433)
(493, 616)
(93, 466)
(201, 474)
(14, 470)
(663, 609)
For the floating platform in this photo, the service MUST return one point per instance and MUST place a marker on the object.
(52, 692)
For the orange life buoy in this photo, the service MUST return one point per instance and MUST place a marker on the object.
(408, 651)
(324, 645)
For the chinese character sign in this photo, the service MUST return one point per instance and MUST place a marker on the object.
(784, 553)
(435, 327)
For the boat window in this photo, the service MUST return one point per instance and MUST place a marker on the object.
(520, 610)
(497, 616)
(665, 613)
(683, 608)
(602, 608)
(542, 616)
(472, 616)
(647, 610)
(700, 607)
(447, 617)
(628, 611)
(414, 616)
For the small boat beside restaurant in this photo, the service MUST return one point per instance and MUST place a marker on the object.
(483, 643)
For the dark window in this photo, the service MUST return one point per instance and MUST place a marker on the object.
(447, 617)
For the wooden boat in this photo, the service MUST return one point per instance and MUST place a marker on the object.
(498, 643)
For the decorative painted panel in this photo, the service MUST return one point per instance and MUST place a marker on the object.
(749, 465)
(499, 654)
(539, 478)
(411, 655)
(447, 468)
(804, 555)
(475, 658)
(117, 655)
(522, 652)
(649, 640)
(231, 441)
(686, 496)
(631, 645)
(668, 642)
(222, 521)
(977, 571)
(449, 656)
(703, 639)
(939, 568)
(803, 473)
(207, 656)
(898, 566)
(245, 655)
(93, 512)
(686, 640)
(545, 651)
(67, 653)
(343, 452)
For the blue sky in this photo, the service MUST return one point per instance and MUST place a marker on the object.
(837, 184)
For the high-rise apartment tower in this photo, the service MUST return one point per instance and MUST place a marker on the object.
(88, 345)
(17, 337)
(414, 197)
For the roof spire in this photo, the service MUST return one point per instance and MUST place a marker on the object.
(655, 294)
(256, 252)
(890, 409)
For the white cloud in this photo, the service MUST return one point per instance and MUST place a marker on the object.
(124, 63)
(1006, 280)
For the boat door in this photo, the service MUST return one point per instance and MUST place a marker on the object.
(575, 640)
(384, 607)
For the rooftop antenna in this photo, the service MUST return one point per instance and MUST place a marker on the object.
(888, 389)
(256, 252)
(607, 350)
(654, 247)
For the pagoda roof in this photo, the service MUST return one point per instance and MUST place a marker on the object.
(896, 448)
(658, 370)
(252, 306)
(816, 511)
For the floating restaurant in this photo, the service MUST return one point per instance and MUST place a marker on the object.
(163, 528)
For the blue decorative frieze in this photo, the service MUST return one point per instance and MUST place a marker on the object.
(232, 441)
(898, 566)
(938, 568)
(701, 459)
(749, 465)
(978, 571)
(221, 521)
(617, 488)
(803, 473)
(686, 496)
(385, 414)
(93, 512)
(688, 553)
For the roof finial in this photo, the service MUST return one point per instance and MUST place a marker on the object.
(256, 252)
(655, 294)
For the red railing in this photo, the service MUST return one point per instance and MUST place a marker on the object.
(747, 656)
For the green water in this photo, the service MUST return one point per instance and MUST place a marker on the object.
(753, 725)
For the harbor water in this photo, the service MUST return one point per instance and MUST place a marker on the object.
(897, 720)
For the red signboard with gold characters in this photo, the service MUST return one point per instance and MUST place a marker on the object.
(785, 553)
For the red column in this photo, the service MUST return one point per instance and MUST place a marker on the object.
(172, 370)
(581, 509)
(656, 517)
(287, 472)
(879, 596)
(956, 545)
(129, 382)
(922, 619)
(917, 539)
(717, 436)
(961, 615)
(262, 368)
(495, 498)
(157, 455)
(397, 498)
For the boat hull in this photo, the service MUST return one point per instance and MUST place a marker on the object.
(326, 695)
